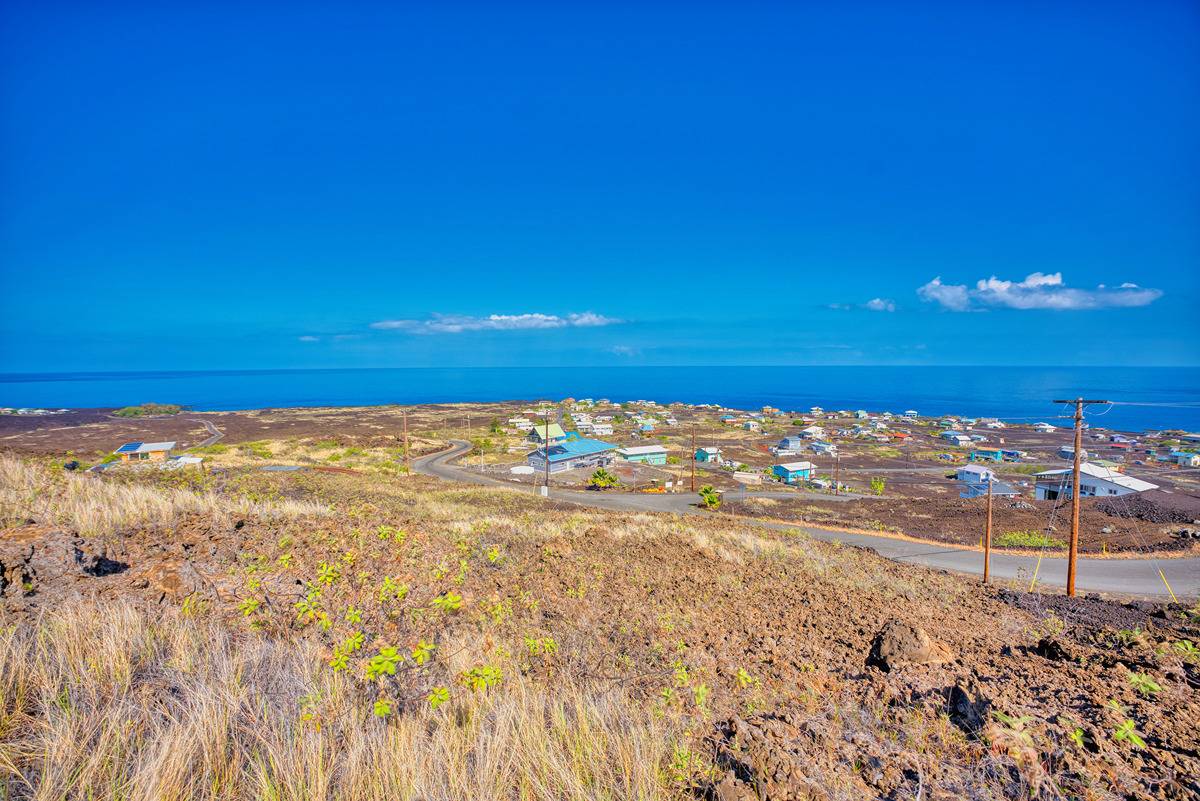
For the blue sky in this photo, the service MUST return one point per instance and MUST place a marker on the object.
(191, 186)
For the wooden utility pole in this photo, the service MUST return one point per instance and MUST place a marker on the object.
(1073, 547)
(546, 452)
(987, 536)
(407, 458)
(693, 457)
(837, 474)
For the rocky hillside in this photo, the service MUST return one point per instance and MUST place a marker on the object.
(229, 636)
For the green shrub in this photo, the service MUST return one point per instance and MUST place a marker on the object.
(1028, 539)
(149, 410)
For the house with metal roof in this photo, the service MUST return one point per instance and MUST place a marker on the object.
(571, 455)
(987, 455)
(957, 437)
(1094, 481)
(712, 455)
(547, 431)
(644, 454)
(979, 489)
(791, 472)
(975, 474)
(144, 451)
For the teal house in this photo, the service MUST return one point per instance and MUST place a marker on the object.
(792, 472)
(644, 454)
(987, 455)
(712, 455)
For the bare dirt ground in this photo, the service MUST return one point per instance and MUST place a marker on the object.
(789, 668)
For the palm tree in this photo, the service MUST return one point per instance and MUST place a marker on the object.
(710, 497)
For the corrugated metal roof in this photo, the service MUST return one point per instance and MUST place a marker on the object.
(641, 450)
(575, 448)
(1103, 473)
(144, 447)
(793, 467)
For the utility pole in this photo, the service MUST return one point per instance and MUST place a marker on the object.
(693, 457)
(837, 474)
(546, 451)
(1074, 542)
(987, 535)
(407, 458)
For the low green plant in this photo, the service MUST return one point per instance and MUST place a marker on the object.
(709, 497)
(448, 602)
(1144, 685)
(1029, 539)
(438, 696)
(1127, 733)
(481, 677)
(383, 663)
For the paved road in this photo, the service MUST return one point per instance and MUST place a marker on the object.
(1136, 577)
(216, 433)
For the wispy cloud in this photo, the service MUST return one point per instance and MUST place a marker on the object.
(1036, 291)
(625, 350)
(458, 323)
(309, 338)
(874, 304)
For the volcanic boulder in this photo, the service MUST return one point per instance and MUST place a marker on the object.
(899, 644)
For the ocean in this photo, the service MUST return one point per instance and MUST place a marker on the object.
(1145, 398)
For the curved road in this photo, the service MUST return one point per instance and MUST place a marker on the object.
(1137, 577)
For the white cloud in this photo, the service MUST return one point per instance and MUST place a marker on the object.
(949, 295)
(309, 338)
(881, 305)
(1036, 291)
(458, 323)
(625, 350)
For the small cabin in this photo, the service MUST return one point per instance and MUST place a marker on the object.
(712, 455)
(144, 451)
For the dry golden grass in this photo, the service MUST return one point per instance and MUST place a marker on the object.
(96, 506)
(110, 704)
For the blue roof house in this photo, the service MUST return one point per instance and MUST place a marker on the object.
(572, 454)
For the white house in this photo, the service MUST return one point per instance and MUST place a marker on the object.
(955, 437)
(812, 432)
(1068, 452)
(1045, 428)
(975, 474)
(602, 429)
(994, 424)
(911, 414)
(824, 448)
(1094, 481)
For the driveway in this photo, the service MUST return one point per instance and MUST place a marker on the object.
(1135, 577)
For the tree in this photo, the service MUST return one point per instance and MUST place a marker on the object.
(602, 479)
(877, 485)
(710, 497)
(494, 427)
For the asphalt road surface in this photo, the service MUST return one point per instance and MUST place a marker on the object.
(1134, 577)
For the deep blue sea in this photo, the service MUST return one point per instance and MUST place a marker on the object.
(1147, 398)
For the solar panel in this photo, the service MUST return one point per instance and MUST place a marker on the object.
(129, 447)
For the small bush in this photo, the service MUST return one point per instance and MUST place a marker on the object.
(149, 410)
(1028, 539)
